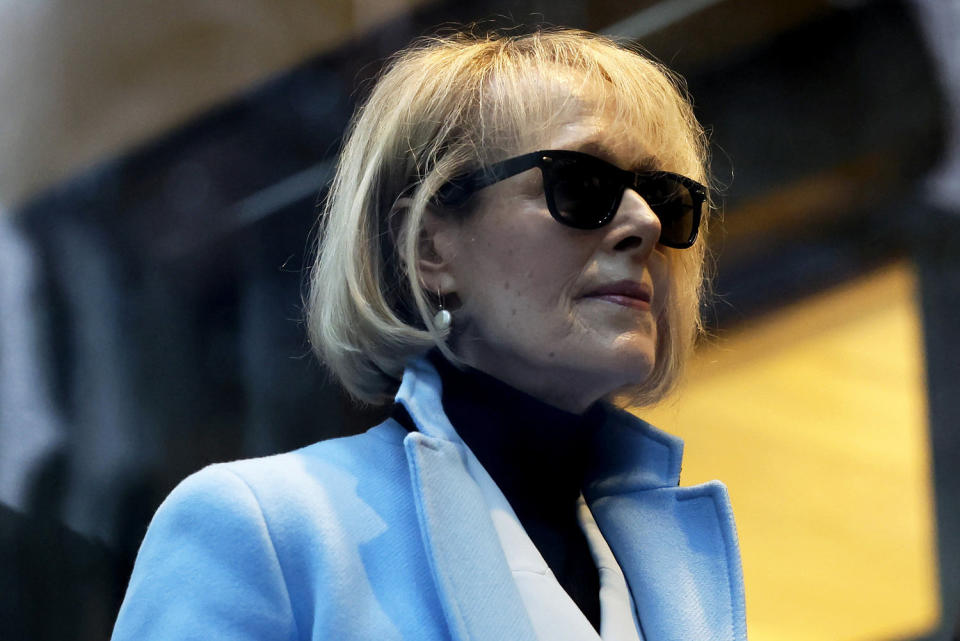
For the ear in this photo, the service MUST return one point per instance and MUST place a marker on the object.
(439, 241)
(437, 238)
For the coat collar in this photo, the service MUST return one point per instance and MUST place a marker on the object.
(676, 546)
(630, 454)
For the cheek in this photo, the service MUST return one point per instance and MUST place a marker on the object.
(522, 273)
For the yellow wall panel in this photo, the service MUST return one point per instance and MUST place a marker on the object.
(815, 418)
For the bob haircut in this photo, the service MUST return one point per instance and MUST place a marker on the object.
(451, 104)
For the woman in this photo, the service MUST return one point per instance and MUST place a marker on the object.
(510, 241)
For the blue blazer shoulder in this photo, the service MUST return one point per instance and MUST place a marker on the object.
(385, 535)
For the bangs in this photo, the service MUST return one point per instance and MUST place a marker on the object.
(532, 87)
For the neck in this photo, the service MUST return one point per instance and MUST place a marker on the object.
(548, 384)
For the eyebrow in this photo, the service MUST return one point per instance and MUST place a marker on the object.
(599, 149)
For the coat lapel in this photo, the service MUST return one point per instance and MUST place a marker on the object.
(477, 591)
(677, 546)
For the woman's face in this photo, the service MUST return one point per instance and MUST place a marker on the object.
(529, 308)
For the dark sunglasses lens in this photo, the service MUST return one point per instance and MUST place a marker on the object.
(674, 205)
(584, 195)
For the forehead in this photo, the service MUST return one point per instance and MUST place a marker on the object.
(565, 110)
(597, 131)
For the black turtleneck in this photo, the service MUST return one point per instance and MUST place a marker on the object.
(536, 454)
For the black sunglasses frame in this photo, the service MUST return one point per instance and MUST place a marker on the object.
(456, 191)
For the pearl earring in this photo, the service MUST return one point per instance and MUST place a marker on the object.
(443, 318)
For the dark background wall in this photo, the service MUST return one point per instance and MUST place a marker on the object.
(151, 279)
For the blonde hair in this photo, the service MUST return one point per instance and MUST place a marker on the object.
(451, 104)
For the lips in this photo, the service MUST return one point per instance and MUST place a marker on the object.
(628, 293)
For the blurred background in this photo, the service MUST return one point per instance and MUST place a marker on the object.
(160, 165)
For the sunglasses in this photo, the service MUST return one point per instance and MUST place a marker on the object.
(584, 192)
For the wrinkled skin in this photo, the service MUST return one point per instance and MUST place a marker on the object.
(517, 279)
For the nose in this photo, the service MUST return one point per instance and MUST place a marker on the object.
(635, 228)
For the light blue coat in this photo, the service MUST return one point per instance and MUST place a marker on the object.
(386, 535)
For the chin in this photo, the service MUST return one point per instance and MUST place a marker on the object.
(631, 362)
(635, 373)
(611, 368)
